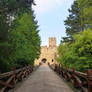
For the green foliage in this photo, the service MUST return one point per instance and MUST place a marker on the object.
(86, 12)
(83, 43)
(76, 49)
(19, 38)
(79, 53)
(73, 22)
(26, 39)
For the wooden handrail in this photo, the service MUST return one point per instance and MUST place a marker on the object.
(80, 80)
(13, 77)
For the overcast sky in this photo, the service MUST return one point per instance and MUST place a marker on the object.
(51, 15)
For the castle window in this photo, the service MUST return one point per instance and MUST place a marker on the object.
(52, 60)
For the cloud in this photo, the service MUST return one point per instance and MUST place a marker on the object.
(47, 5)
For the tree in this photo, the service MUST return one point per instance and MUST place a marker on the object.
(76, 49)
(20, 40)
(73, 22)
(4, 27)
(26, 40)
(79, 53)
(85, 13)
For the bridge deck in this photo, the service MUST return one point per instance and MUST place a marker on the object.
(43, 80)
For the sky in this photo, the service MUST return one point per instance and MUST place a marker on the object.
(50, 15)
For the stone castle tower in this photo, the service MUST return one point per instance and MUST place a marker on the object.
(52, 42)
(48, 54)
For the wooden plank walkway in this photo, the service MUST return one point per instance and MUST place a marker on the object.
(43, 80)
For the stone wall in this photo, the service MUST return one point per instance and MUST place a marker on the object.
(48, 53)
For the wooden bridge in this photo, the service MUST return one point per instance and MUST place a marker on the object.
(44, 79)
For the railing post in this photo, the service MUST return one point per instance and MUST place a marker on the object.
(62, 71)
(21, 73)
(74, 79)
(30, 69)
(59, 69)
(25, 72)
(89, 75)
(66, 73)
(14, 74)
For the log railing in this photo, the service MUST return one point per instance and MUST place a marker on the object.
(9, 79)
(81, 81)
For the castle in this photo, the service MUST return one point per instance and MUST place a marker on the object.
(48, 53)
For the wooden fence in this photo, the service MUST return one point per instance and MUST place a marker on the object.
(81, 81)
(9, 79)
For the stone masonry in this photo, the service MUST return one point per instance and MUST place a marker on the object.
(48, 53)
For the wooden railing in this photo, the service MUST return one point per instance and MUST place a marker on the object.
(9, 79)
(81, 81)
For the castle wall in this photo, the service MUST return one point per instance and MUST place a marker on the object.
(49, 53)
